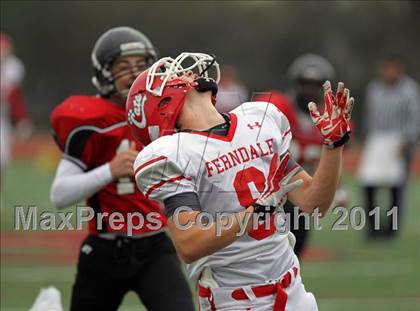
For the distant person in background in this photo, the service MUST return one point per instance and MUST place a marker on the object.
(392, 126)
(13, 108)
(232, 91)
(306, 74)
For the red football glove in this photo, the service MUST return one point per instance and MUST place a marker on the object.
(334, 123)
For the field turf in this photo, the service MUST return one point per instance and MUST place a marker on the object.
(342, 269)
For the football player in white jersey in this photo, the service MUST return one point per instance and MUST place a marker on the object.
(229, 168)
(15, 121)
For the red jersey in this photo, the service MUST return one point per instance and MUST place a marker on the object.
(307, 141)
(90, 130)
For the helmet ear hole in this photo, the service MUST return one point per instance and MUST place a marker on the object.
(164, 102)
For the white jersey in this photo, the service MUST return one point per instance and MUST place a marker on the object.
(12, 72)
(228, 173)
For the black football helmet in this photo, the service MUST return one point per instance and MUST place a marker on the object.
(114, 43)
(310, 67)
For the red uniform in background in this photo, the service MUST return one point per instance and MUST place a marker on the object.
(90, 130)
(305, 147)
(306, 143)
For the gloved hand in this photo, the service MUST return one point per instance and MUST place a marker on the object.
(277, 186)
(334, 123)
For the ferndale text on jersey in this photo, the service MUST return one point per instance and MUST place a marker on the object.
(31, 219)
(238, 156)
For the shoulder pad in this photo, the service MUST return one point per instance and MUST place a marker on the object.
(159, 174)
(282, 101)
(257, 107)
(78, 111)
(86, 110)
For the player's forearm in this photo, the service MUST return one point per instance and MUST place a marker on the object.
(196, 242)
(72, 185)
(320, 192)
(334, 126)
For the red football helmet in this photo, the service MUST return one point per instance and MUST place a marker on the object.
(157, 96)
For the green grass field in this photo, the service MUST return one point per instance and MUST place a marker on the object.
(356, 275)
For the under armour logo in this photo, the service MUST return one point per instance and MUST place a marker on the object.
(87, 249)
(255, 125)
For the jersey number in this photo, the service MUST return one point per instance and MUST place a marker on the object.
(248, 184)
(124, 185)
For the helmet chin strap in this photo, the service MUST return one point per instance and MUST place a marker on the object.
(203, 85)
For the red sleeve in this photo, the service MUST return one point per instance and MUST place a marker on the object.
(282, 102)
(17, 105)
(74, 131)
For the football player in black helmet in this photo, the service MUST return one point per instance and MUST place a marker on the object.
(109, 51)
(97, 166)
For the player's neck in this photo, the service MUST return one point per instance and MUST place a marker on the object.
(199, 113)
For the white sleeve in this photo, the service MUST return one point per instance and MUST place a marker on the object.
(72, 185)
(158, 177)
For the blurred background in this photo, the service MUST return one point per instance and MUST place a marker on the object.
(259, 40)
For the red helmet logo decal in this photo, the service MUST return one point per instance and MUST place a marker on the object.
(138, 111)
